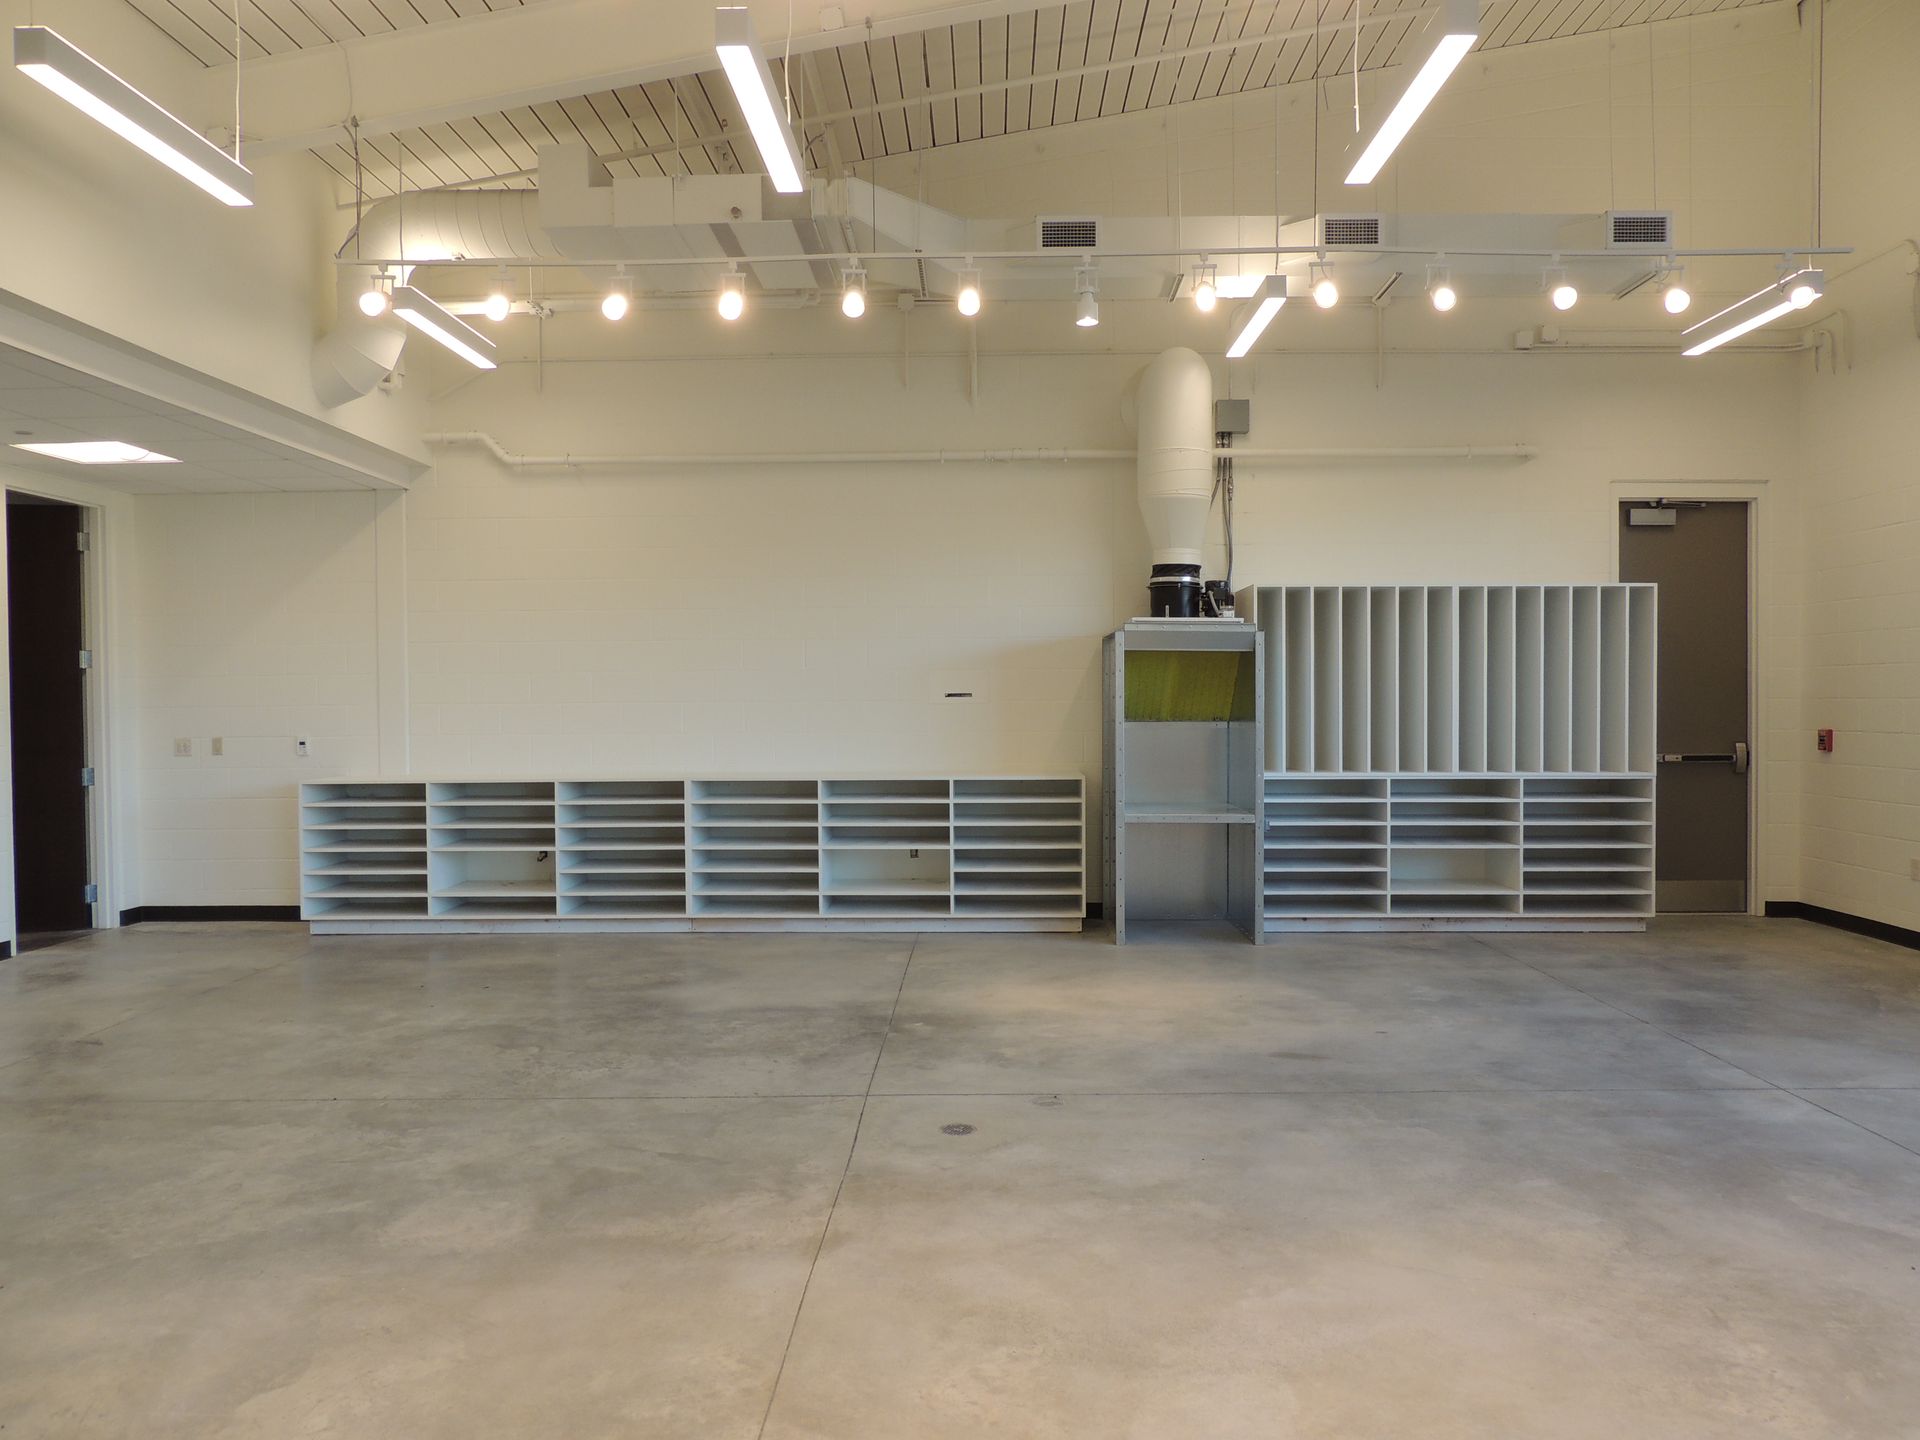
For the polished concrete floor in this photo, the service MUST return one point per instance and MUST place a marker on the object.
(879, 1188)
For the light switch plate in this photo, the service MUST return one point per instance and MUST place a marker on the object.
(183, 749)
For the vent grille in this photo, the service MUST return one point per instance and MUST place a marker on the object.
(1069, 232)
(1639, 228)
(1349, 229)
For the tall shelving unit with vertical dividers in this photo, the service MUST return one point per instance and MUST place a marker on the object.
(1476, 756)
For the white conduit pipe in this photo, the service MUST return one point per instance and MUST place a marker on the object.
(515, 461)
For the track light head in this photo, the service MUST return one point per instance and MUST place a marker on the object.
(1206, 287)
(1326, 294)
(619, 297)
(853, 293)
(1674, 296)
(378, 295)
(1561, 290)
(733, 295)
(967, 302)
(1086, 282)
(1440, 288)
(496, 307)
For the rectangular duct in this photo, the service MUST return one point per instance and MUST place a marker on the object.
(1639, 229)
(1068, 232)
(1351, 231)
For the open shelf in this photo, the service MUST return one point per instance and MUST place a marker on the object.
(687, 854)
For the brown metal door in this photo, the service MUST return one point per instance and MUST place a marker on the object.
(1697, 554)
(45, 632)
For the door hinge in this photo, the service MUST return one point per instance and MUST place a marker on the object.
(90, 893)
(86, 659)
(81, 540)
(86, 776)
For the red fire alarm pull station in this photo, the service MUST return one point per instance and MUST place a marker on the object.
(1824, 739)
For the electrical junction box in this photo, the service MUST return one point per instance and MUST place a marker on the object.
(1824, 739)
(1232, 417)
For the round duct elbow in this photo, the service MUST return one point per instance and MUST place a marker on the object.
(355, 356)
(1173, 415)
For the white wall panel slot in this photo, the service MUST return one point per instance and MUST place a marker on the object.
(1586, 687)
(1328, 686)
(1502, 679)
(1642, 676)
(1616, 680)
(1384, 679)
(1529, 678)
(1494, 763)
(1299, 701)
(971, 853)
(1413, 680)
(1472, 688)
(1557, 691)
(1356, 688)
(1443, 679)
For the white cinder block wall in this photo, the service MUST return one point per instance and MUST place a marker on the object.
(254, 619)
(1860, 437)
(766, 616)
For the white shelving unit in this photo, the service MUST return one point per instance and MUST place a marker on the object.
(1478, 756)
(967, 852)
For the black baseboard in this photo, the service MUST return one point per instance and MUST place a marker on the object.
(1841, 920)
(209, 912)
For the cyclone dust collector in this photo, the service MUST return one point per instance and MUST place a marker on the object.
(1173, 415)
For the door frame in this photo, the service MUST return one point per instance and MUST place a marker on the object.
(98, 516)
(1753, 494)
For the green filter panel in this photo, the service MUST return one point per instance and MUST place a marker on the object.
(1189, 685)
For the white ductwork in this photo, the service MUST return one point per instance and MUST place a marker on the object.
(1172, 406)
(355, 355)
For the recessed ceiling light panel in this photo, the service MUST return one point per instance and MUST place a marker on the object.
(99, 452)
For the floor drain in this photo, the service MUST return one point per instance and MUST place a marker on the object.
(956, 1129)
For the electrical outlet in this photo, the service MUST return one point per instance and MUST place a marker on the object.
(217, 746)
(182, 749)
(300, 746)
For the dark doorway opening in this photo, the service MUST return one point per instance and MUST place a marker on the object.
(1696, 552)
(46, 634)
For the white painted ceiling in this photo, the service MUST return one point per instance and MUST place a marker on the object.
(42, 401)
(901, 89)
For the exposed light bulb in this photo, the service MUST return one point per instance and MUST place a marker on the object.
(1443, 295)
(853, 295)
(1561, 291)
(497, 307)
(1675, 298)
(733, 297)
(1326, 294)
(614, 304)
(1206, 287)
(373, 301)
(968, 300)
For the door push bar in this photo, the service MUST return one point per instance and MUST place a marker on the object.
(1739, 758)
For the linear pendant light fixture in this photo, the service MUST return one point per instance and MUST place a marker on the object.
(752, 81)
(1449, 35)
(429, 317)
(1267, 301)
(1793, 291)
(87, 85)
